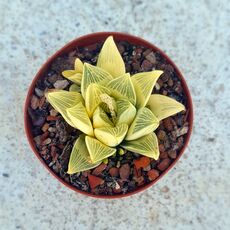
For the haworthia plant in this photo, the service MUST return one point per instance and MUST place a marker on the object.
(112, 109)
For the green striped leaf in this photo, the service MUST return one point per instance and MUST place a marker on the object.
(79, 117)
(61, 100)
(101, 119)
(80, 158)
(163, 106)
(97, 150)
(144, 123)
(93, 97)
(110, 58)
(122, 88)
(111, 136)
(125, 112)
(93, 74)
(146, 145)
(143, 84)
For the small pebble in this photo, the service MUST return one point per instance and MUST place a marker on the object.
(161, 134)
(163, 155)
(52, 130)
(61, 84)
(172, 154)
(147, 168)
(146, 65)
(169, 123)
(170, 82)
(140, 180)
(181, 131)
(38, 92)
(161, 148)
(124, 171)
(53, 113)
(45, 127)
(147, 52)
(114, 172)
(151, 57)
(99, 169)
(164, 164)
(46, 141)
(37, 140)
(164, 77)
(157, 86)
(152, 174)
(34, 103)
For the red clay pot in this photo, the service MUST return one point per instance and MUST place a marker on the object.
(84, 41)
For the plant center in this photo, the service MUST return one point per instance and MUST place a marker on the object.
(109, 106)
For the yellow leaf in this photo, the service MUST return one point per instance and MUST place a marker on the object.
(111, 136)
(78, 65)
(126, 112)
(68, 73)
(79, 117)
(97, 150)
(73, 76)
(122, 88)
(92, 98)
(93, 74)
(163, 106)
(146, 145)
(144, 123)
(61, 100)
(110, 58)
(143, 84)
(100, 119)
(80, 158)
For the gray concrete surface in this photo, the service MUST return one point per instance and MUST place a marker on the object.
(195, 194)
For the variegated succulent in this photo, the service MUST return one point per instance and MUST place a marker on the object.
(114, 111)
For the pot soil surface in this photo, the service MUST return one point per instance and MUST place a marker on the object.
(54, 138)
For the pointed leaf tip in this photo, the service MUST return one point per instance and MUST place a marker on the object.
(73, 76)
(80, 158)
(146, 145)
(78, 65)
(163, 106)
(97, 150)
(144, 123)
(110, 58)
(143, 84)
(93, 74)
(122, 88)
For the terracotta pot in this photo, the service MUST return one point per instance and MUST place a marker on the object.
(84, 41)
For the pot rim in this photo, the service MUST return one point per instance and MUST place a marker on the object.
(84, 41)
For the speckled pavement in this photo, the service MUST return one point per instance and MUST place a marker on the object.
(196, 192)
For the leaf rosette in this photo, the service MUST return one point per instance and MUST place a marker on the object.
(111, 108)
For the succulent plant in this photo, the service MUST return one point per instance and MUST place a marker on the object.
(114, 111)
